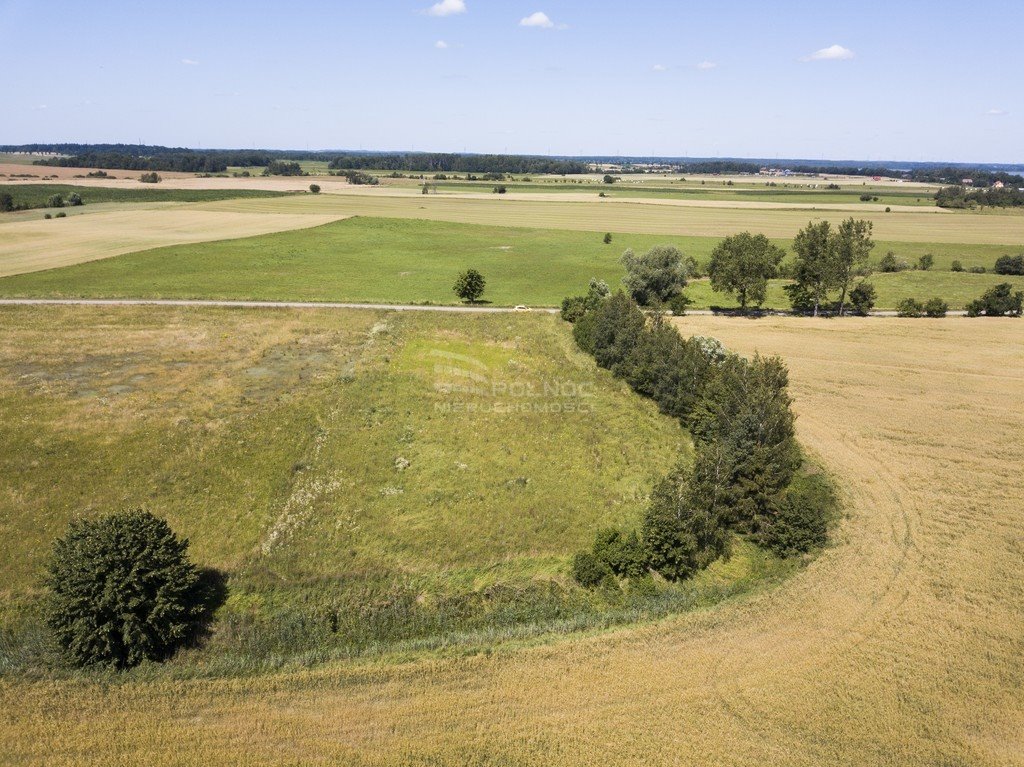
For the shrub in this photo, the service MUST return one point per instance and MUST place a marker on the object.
(61, 214)
(909, 307)
(607, 237)
(865, 198)
(956, 267)
(888, 209)
(74, 199)
(800, 521)
(55, 201)
(925, 262)
(122, 590)
(589, 571)
(862, 298)
(624, 554)
(150, 178)
(6, 202)
(314, 188)
(574, 307)
(1010, 265)
(997, 301)
(890, 263)
(47, 216)
(935, 307)
(976, 270)
(470, 285)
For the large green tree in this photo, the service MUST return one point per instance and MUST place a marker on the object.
(469, 285)
(742, 265)
(814, 269)
(851, 245)
(656, 276)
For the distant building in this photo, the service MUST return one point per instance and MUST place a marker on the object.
(998, 185)
(967, 181)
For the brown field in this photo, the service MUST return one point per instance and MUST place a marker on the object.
(902, 644)
(30, 245)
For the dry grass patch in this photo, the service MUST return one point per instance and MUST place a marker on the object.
(28, 246)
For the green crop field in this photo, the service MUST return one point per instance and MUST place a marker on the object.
(406, 261)
(36, 195)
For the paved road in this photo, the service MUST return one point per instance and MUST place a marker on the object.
(317, 305)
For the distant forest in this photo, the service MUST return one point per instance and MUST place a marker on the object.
(152, 158)
(156, 158)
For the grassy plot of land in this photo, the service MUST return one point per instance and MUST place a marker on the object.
(367, 480)
(37, 195)
(404, 261)
(899, 645)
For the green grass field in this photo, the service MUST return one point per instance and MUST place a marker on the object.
(36, 195)
(419, 480)
(406, 261)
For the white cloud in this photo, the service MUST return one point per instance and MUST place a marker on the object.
(441, 45)
(190, 62)
(39, 107)
(659, 68)
(706, 65)
(447, 8)
(537, 19)
(996, 112)
(832, 53)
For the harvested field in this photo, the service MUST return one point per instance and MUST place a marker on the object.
(643, 217)
(31, 245)
(902, 644)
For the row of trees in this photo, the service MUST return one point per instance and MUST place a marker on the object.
(744, 475)
(436, 162)
(961, 197)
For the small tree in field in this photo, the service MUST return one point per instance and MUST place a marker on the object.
(925, 262)
(470, 285)
(314, 188)
(122, 590)
(607, 238)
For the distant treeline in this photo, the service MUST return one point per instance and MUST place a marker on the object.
(148, 158)
(961, 197)
(457, 163)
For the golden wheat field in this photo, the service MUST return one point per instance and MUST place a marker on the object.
(903, 643)
(37, 244)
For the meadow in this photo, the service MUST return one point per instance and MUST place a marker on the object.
(898, 645)
(368, 482)
(409, 261)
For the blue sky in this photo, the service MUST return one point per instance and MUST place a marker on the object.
(840, 80)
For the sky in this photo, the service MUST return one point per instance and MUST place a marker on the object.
(864, 80)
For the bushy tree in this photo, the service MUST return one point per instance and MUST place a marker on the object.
(998, 301)
(469, 285)
(680, 539)
(589, 571)
(314, 188)
(935, 307)
(150, 178)
(607, 238)
(574, 307)
(742, 265)
(956, 266)
(799, 522)
(55, 201)
(909, 307)
(74, 199)
(6, 202)
(611, 332)
(851, 246)
(624, 553)
(862, 298)
(122, 590)
(925, 262)
(814, 268)
(1010, 265)
(656, 276)
(890, 263)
